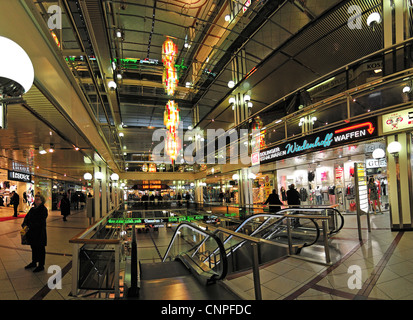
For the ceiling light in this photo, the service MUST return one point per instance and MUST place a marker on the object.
(231, 100)
(249, 104)
(394, 148)
(227, 17)
(51, 149)
(114, 177)
(379, 153)
(247, 98)
(231, 84)
(235, 177)
(407, 89)
(42, 151)
(119, 76)
(119, 34)
(373, 19)
(112, 85)
(16, 68)
(87, 176)
(121, 134)
(76, 148)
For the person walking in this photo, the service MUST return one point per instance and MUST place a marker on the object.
(273, 200)
(65, 207)
(14, 200)
(36, 235)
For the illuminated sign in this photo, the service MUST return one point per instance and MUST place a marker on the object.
(246, 5)
(18, 176)
(399, 120)
(158, 220)
(349, 133)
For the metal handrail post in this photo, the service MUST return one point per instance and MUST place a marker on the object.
(117, 271)
(290, 240)
(256, 272)
(75, 269)
(325, 236)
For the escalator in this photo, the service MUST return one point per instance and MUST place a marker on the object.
(192, 269)
(197, 260)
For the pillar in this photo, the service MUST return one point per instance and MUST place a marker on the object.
(199, 193)
(400, 183)
(96, 195)
(104, 188)
(245, 191)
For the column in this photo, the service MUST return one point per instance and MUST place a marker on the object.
(104, 188)
(96, 194)
(199, 193)
(400, 183)
(396, 29)
(245, 192)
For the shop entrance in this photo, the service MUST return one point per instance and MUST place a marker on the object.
(327, 177)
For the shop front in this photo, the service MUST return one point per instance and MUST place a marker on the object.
(397, 127)
(321, 166)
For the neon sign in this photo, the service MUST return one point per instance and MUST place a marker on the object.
(320, 141)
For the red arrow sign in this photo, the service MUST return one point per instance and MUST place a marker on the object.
(357, 126)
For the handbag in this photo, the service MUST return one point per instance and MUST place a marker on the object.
(23, 235)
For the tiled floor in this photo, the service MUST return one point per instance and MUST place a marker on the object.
(384, 258)
(384, 262)
(16, 283)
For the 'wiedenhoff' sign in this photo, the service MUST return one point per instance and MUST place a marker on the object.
(326, 139)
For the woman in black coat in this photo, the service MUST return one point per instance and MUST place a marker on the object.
(273, 200)
(65, 207)
(36, 235)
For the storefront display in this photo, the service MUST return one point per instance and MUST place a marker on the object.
(332, 181)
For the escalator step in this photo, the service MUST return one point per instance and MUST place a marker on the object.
(161, 270)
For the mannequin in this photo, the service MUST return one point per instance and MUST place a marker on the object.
(318, 196)
(332, 194)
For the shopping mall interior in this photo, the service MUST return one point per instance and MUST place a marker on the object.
(210, 150)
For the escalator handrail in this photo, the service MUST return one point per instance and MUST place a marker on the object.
(298, 209)
(317, 228)
(207, 234)
(335, 231)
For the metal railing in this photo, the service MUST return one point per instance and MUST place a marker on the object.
(257, 243)
(96, 260)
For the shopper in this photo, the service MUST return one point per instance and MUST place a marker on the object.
(65, 207)
(274, 200)
(293, 199)
(187, 198)
(35, 220)
(14, 200)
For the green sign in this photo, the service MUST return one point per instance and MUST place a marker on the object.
(154, 220)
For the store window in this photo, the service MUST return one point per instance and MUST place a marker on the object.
(327, 178)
